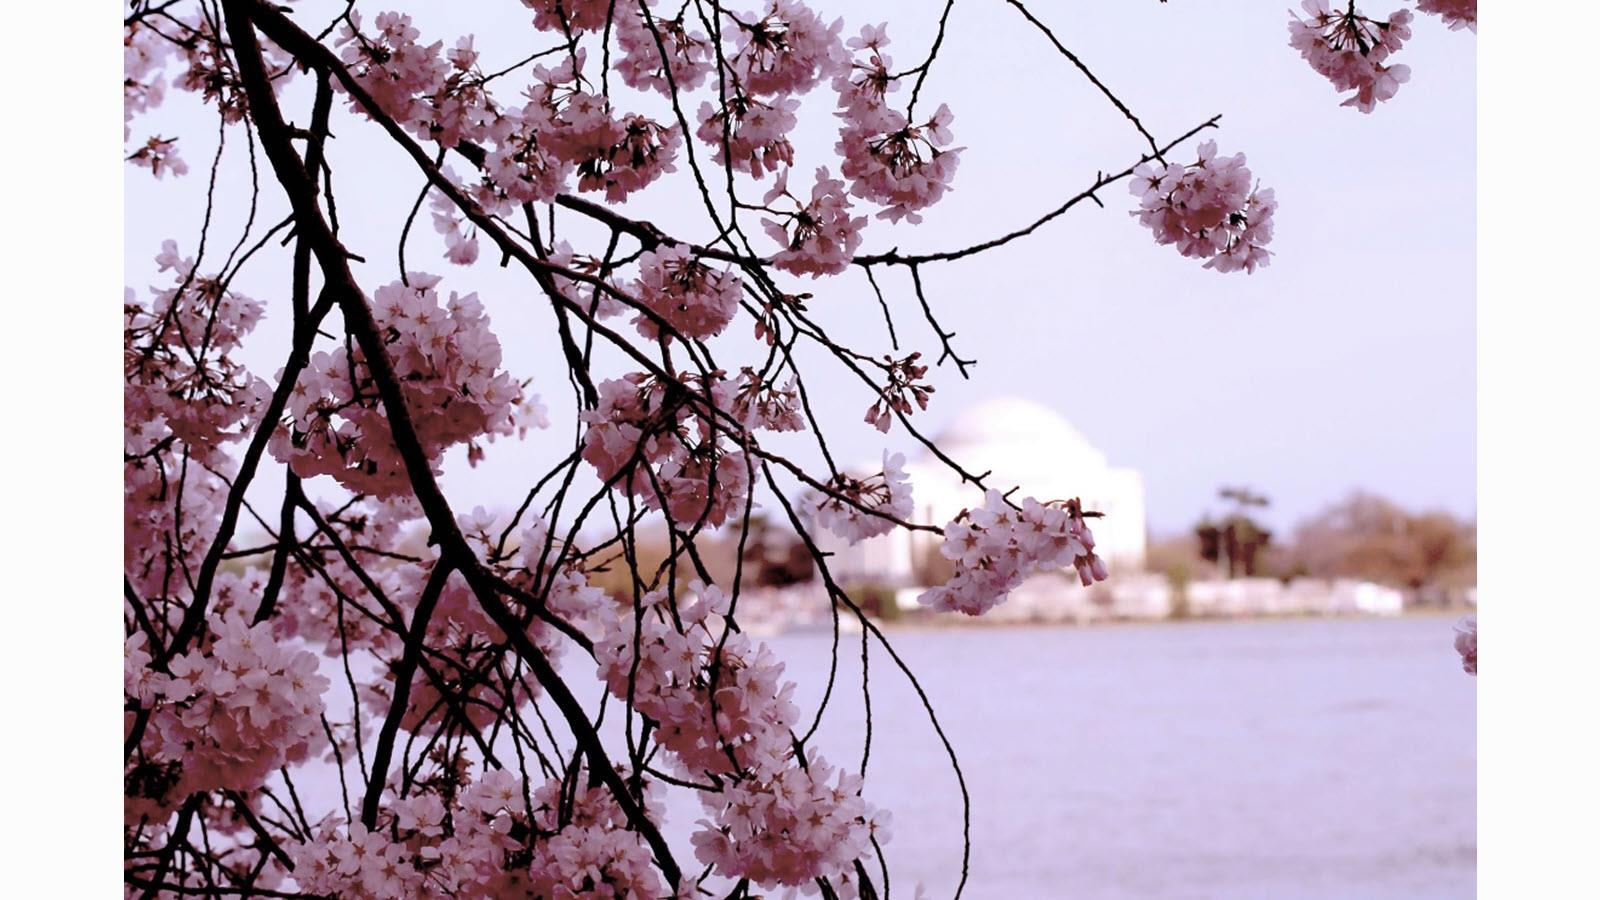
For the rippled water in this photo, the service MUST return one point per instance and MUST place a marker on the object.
(1296, 758)
(1274, 759)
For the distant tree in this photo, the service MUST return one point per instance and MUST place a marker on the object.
(1238, 541)
(1367, 536)
(775, 555)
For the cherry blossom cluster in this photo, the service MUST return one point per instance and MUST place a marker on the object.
(184, 397)
(1458, 14)
(764, 404)
(1467, 643)
(867, 81)
(750, 135)
(719, 700)
(225, 717)
(550, 565)
(569, 15)
(178, 366)
(894, 163)
(482, 840)
(791, 829)
(323, 609)
(1211, 209)
(160, 156)
(618, 156)
(401, 75)
(519, 166)
(595, 854)
(143, 88)
(641, 65)
(170, 511)
(787, 50)
(904, 388)
(859, 508)
(900, 165)
(209, 72)
(444, 100)
(997, 546)
(462, 106)
(661, 446)
(722, 709)
(323, 615)
(367, 865)
(144, 53)
(460, 241)
(448, 362)
(563, 130)
(1352, 51)
(577, 129)
(695, 299)
(468, 675)
(820, 236)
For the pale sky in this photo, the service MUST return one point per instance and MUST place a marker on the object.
(1348, 363)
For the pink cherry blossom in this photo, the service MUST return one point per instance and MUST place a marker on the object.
(616, 155)
(671, 682)
(144, 54)
(1467, 643)
(185, 397)
(449, 363)
(1211, 209)
(160, 156)
(790, 829)
(482, 840)
(868, 81)
(750, 135)
(179, 357)
(819, 236)
(997, 546)
(696, 299)
(436, 94)
(663, 448)
(786, 49)
(461, 242)
(563, 16)
(1352, 50)
(640, 63)
(478, 678)
(1458, 14)
(901, 166)
(641, 151)
(226, 716)
(849, 506)
(520, 167)
(394, 69)
(764, 404)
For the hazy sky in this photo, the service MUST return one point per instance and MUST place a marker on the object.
(1348, 363)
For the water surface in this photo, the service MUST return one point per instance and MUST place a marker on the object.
(1291, 758)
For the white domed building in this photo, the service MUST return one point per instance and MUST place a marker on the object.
(1020, 444)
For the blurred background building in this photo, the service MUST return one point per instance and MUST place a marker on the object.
(1019, 443)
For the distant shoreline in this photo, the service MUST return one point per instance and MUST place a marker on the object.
(941, 623)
